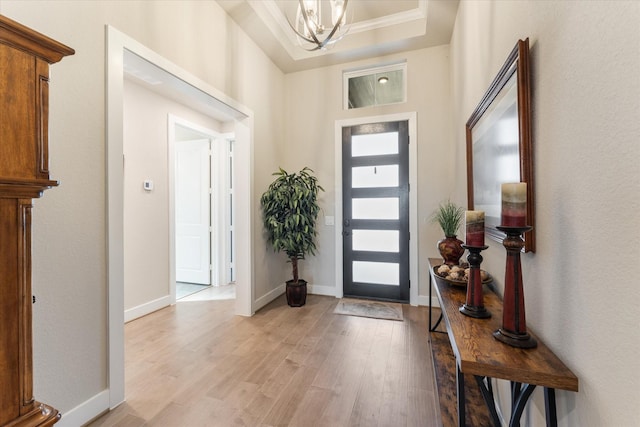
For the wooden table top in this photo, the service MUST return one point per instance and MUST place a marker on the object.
(479, 353)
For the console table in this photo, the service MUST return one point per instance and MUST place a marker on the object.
(478, 353)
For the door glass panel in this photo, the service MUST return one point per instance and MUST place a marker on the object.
(377, 208)
(376, 240)
(374, 176)
(383, 273)
(374, 144)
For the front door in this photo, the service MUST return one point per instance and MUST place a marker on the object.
(375, 180)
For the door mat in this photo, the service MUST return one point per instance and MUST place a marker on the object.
(367, 308)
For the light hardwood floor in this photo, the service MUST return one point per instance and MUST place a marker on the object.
(196, 364)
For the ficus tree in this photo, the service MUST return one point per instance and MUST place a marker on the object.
(290, 212)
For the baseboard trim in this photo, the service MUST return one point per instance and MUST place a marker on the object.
(270, 296)
(424, 300)
(330, 291)
(322, 290)
(146, 308)
(86, 411)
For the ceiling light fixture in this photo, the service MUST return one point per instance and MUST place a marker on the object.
(383, 80)
(310, 27)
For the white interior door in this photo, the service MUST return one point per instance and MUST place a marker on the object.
(193, 212)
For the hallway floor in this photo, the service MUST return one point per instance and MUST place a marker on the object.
(199, 365)
(191, 292)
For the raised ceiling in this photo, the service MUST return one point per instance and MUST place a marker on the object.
(377, 28)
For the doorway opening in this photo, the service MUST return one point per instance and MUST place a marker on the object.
(183, 87)
(201, 199)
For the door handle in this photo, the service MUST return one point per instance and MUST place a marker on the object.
(345, 230)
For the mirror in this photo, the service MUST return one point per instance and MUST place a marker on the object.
(499, 144)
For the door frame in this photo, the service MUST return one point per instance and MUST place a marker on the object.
(218, 171)
(411, 117)
(241, 120)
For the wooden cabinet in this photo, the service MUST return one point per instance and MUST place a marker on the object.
(25, 56)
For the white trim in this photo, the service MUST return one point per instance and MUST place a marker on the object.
(218, 207)
(86, 411)
(269, 296)
(148, 307)
(277, 22)
(373, 70)
(116, 43)
(412, 117)
(115, 213)
(424, 301)
(399, 18)
(321, 290)
(244, 209)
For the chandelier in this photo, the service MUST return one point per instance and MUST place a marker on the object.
(313, 32)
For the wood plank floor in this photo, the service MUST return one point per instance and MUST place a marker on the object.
(196, 364)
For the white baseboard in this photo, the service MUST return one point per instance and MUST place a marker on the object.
(332, 292)
(321, 290)
(424, 300)
(86, 411)
(279, 290)
(270, 296)
(146, 308)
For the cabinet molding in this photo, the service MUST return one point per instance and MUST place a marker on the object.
(25, 56)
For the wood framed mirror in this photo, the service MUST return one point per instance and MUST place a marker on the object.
(499, 144)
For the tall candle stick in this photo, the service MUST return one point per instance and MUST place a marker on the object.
(514, 204)
(474, 221)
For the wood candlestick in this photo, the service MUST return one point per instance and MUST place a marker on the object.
(474, 304)
(514, 326)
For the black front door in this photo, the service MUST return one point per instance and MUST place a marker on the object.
(375, 229)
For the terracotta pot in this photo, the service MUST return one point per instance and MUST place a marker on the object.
(296, 293)
(451, 250)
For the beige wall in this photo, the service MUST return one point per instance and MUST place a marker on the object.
(69, 245)
(146, 214)
(314, 103)
(580, 299)
(580, 286)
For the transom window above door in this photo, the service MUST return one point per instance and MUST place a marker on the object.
(375, 86)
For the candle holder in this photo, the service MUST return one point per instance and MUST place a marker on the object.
(474, 305)
(514, 327)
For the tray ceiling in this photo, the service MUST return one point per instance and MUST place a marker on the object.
(377, 28)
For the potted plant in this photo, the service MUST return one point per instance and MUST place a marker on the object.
(449, 216)
(290, 210)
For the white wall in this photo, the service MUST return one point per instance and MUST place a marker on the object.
(69, 222)
(146, 214)
(314, 102)
(580, 286)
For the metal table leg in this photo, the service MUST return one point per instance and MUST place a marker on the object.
(519, 397)
(461, 397)
(550, 407)
(432, 327)
(487, 393)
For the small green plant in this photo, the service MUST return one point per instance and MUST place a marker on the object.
(290, 210)
(449, 216)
